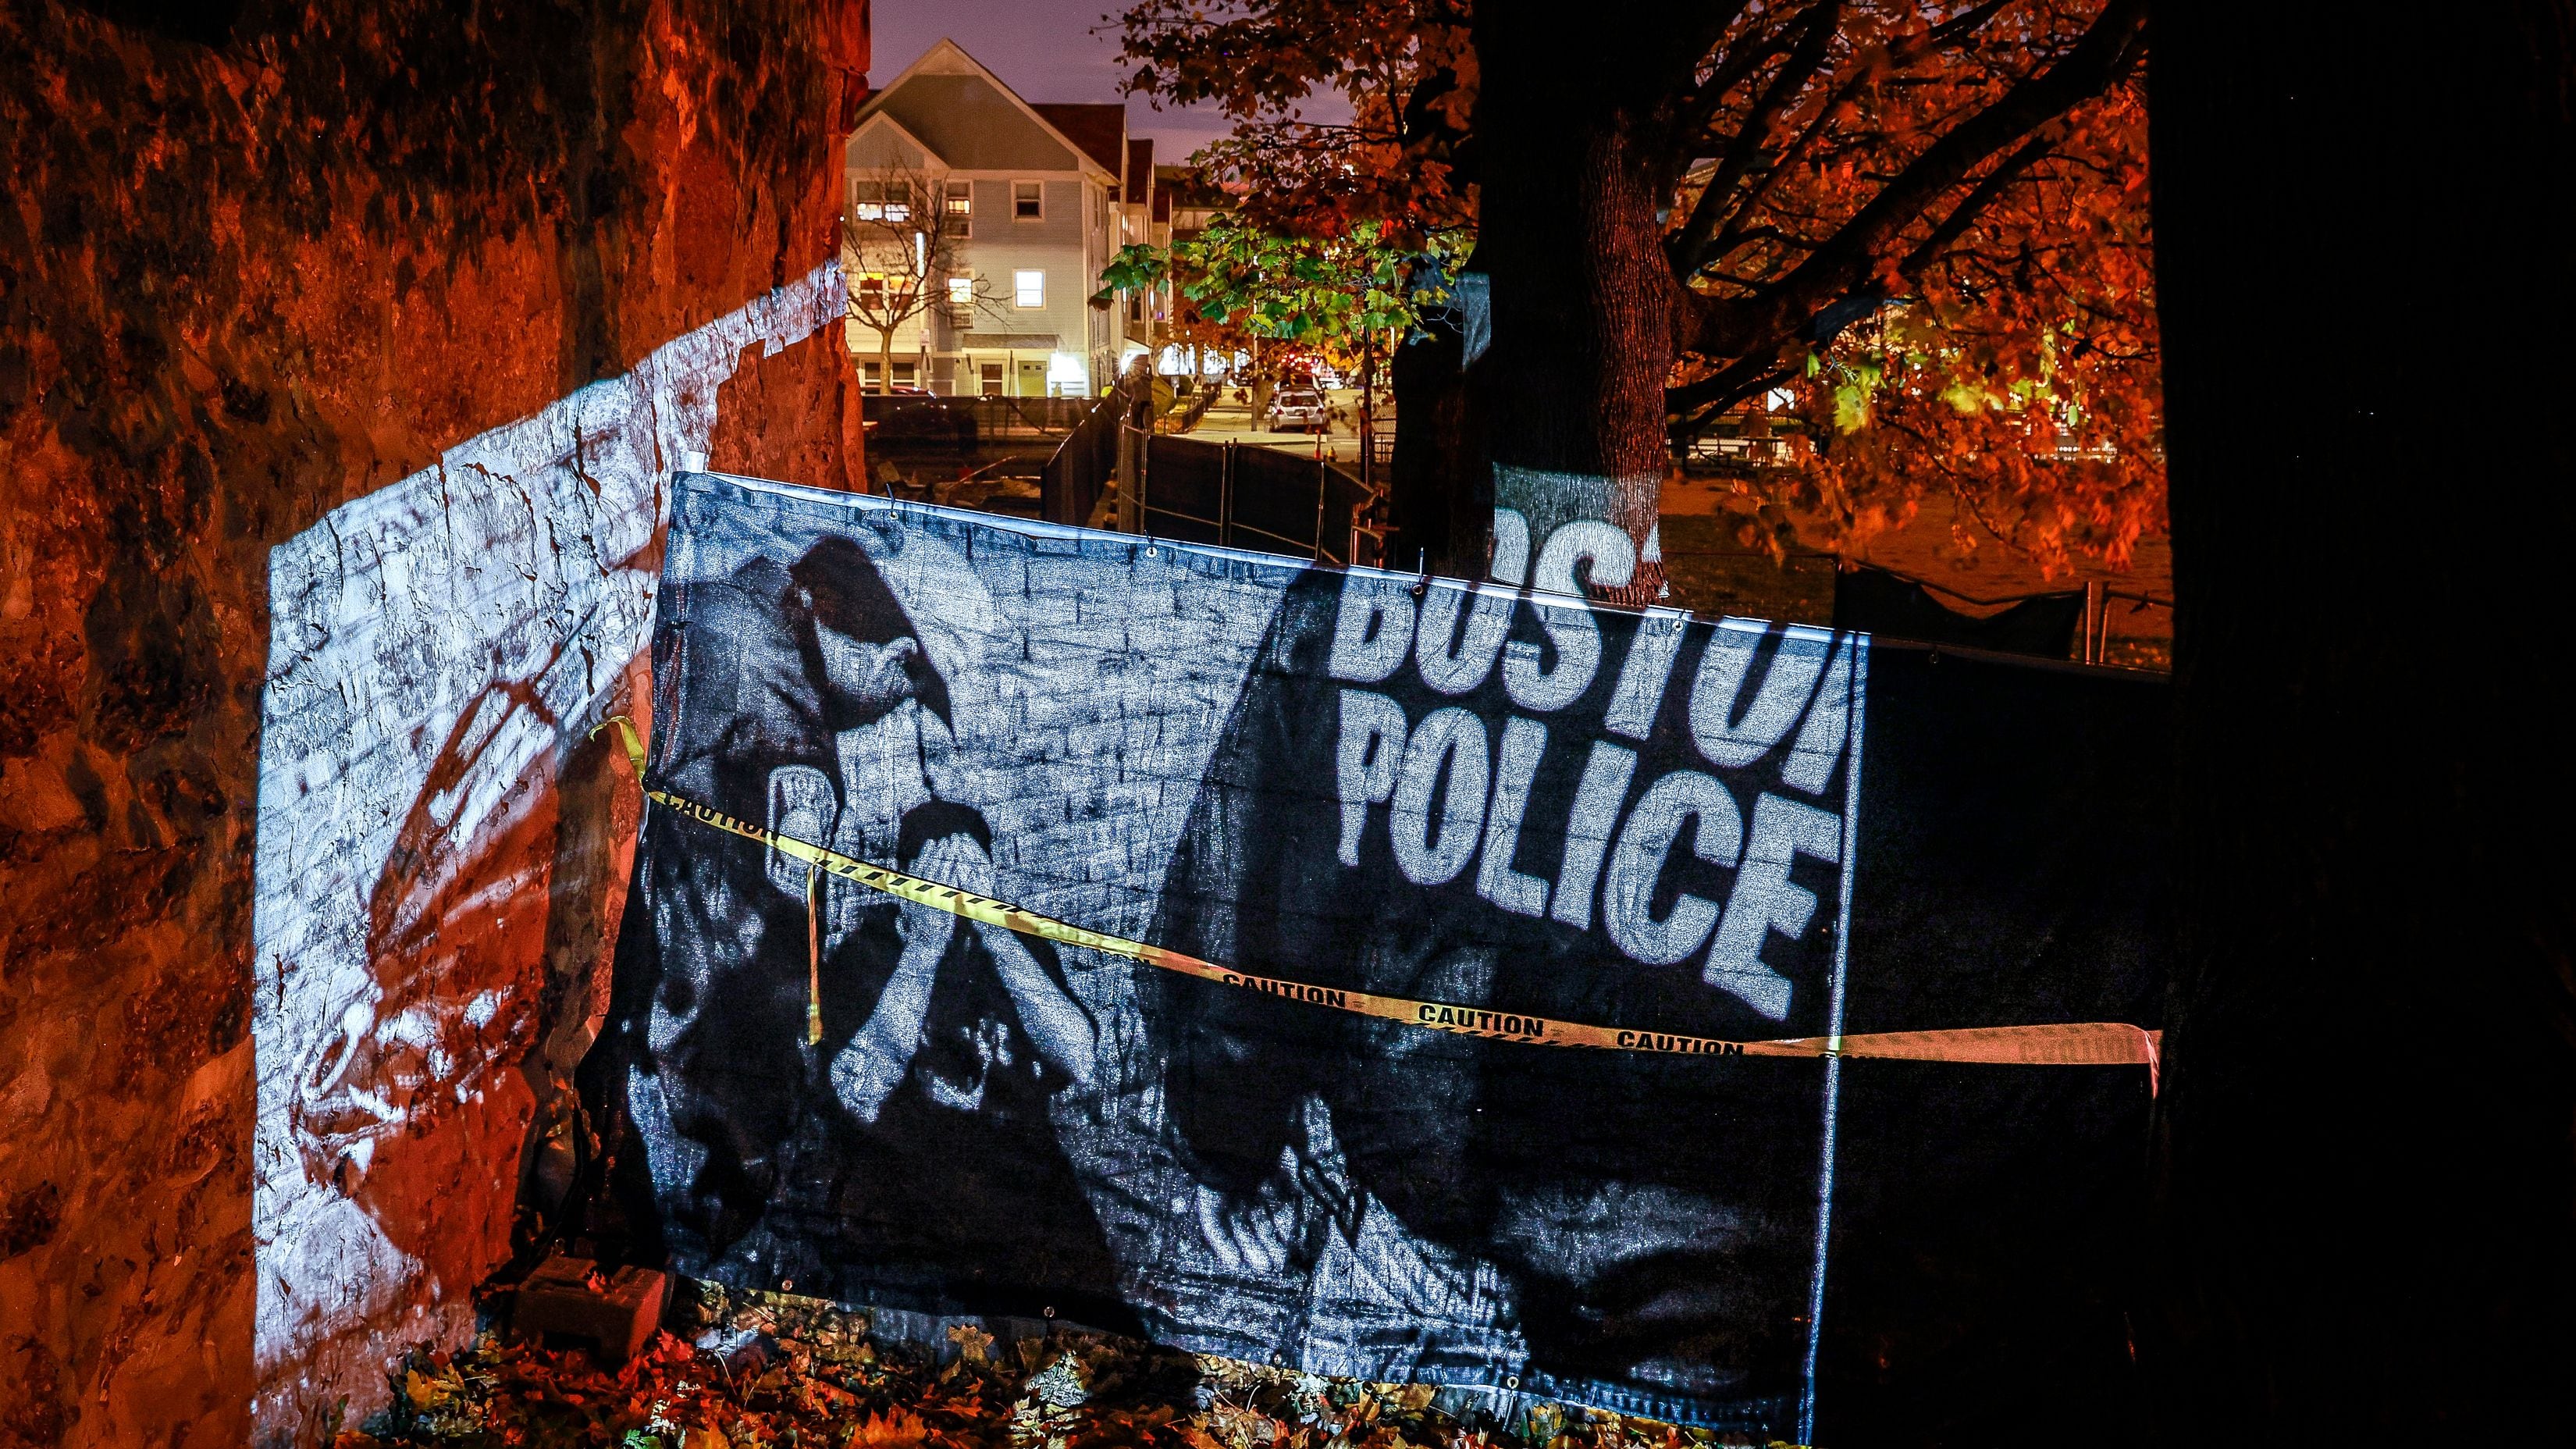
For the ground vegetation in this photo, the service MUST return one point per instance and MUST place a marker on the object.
(775, 1369)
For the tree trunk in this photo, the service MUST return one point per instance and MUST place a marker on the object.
(1440, 488)
(2366, 1192)
(1571, 117)
(885, 361)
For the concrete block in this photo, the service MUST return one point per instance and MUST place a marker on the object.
(618, 1311)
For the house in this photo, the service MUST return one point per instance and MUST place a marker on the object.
(1186, 201)
(1032, 201)
(1144, 219)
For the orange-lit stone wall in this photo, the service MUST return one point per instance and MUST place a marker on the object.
(408, 304)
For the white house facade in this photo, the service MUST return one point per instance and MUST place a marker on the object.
(1039, 193)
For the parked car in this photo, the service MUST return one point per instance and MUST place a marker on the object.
(1299, 411)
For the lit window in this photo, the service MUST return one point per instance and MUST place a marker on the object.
(872, 290)
(879, 201)
(1028, 201)
(961, 292)
(960, 204)
(1028, 289)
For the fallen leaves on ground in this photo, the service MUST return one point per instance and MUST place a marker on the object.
(782, 1371)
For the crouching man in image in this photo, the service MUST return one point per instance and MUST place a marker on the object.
(902, 1155)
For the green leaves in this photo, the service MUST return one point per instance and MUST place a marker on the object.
(1319, 292)
(1137, 266)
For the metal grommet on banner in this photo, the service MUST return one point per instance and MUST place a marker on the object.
(1511, 1381)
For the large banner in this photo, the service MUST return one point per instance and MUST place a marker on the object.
(1496, 807)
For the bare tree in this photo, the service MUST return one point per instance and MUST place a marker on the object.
(902, 246)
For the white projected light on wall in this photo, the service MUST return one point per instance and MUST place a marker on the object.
(437, 647)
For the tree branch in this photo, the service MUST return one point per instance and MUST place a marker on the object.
(1805, 59)
(1747, 56)
(1689, 419)
(1958, 28)
(1837, 271)
(1983, 195)
(1724, 388)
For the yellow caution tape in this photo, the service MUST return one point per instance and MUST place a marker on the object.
(2085, 1043)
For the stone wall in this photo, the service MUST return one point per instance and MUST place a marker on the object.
(344, 353)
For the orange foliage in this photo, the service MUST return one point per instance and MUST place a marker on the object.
(1997, 346)
(1918, 228)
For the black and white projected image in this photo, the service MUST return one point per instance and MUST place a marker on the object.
(852, 1080)
(1493, 798)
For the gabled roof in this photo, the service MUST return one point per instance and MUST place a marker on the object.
(969, 119)
(1100, 130)
(884, 126)
(1140, 170)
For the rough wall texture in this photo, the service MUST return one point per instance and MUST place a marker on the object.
(266, 269)
(762, 426)
(440, 651)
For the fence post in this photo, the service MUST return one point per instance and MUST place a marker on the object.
(1225, 497)
(1131, 480)
(1323, 494)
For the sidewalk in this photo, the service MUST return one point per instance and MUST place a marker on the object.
(1229, 421)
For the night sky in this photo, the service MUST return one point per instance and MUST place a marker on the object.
(1045, 50)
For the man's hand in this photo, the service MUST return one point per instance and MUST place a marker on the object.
(951, 860)
(956, 860)
(874, 678)
(868, 1070)
(1055, 1022)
